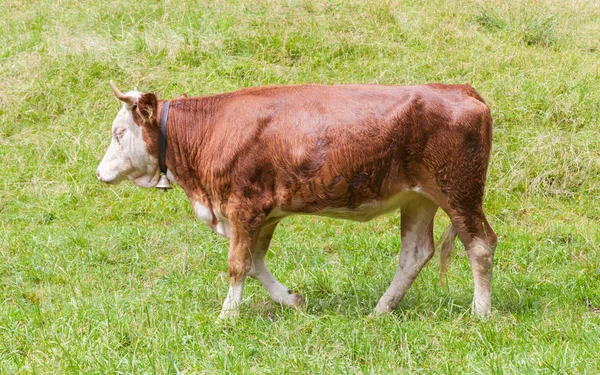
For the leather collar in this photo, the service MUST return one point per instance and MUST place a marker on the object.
(162, 137)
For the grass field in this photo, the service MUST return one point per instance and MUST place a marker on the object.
(99, 279)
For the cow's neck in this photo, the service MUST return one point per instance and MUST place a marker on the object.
(186, 137)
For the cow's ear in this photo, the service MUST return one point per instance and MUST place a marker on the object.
(182, 96)
(146, 108)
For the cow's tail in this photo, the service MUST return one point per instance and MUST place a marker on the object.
(446, 252)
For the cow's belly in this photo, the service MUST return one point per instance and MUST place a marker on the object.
(364, 212)
(368, 210)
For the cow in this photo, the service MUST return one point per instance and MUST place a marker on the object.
(249, 158)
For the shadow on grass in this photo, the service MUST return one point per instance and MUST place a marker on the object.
(361, 302)
(439, 305)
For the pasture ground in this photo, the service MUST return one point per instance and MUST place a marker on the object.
(100, 279)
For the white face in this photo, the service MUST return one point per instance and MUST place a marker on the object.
(127, 155)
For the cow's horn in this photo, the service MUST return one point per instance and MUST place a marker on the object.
(129, 100)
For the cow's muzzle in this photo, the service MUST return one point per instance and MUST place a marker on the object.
(103, 179)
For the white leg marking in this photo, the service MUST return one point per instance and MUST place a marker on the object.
(481, 259)
(231, 306)
(279, 292)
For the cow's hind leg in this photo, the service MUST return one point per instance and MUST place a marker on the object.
(416, 250)
(480, 242)
(279, 292)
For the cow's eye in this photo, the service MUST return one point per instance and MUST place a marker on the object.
(119, 134)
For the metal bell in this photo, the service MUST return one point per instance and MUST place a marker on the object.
(163, 183)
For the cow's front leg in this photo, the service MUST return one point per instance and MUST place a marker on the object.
(279, 292)
(245, 229)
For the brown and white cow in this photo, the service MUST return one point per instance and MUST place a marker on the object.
(249, 158)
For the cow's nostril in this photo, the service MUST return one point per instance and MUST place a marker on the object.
(97, 174)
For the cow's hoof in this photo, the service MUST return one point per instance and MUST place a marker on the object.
(297, 301)
(294, 300)
(481, 314)
(381, 309)
(481, 310)
(228, 315)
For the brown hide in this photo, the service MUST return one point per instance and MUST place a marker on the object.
(306, 148)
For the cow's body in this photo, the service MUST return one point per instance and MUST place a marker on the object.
(249, 158)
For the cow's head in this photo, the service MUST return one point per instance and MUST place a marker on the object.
(133, 150)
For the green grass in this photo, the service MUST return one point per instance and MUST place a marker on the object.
(100, 279)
